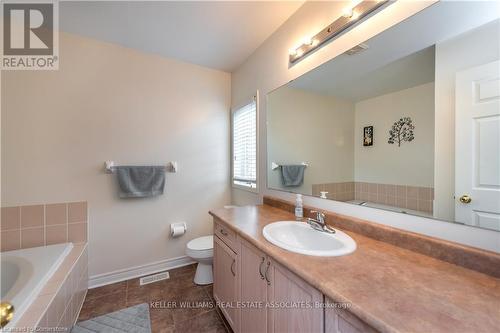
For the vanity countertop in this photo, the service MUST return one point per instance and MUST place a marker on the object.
(390, 288)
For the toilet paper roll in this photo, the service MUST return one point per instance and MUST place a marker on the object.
(177, 229)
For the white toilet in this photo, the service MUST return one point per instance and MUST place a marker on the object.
(202, 250)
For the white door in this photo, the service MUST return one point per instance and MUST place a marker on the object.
(477, 146)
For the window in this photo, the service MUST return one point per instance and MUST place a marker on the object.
(244, 128)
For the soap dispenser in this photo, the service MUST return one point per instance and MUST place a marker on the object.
(299, 210)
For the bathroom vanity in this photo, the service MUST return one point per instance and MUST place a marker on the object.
(378, 288)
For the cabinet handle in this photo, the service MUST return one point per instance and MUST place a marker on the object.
(232, 267)
(260, 268)
(222, 231)
(267, 270)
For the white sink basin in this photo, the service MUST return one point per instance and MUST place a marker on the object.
(299, 237)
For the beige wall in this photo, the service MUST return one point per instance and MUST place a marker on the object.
(470, 49)
(312, 128)
(107, 102)
(410, 164)
(268, 69)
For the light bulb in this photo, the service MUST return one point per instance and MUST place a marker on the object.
(307, 41)
(348, 12)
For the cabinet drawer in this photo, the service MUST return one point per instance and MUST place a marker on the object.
(227, 235)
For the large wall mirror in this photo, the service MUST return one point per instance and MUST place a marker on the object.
(408, 121)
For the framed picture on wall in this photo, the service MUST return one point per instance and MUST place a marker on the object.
(368, 136)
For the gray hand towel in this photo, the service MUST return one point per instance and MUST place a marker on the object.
(292, 175)
(140, 181)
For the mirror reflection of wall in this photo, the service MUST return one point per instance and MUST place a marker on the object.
(376, 125)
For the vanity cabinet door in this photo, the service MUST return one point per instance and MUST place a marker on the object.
(253, 289)
(291, 302)
(342, 321)
(226, 266)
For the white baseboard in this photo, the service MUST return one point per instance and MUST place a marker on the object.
(137, 271)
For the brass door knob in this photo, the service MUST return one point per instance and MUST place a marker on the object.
(6, 313)
(465, 199)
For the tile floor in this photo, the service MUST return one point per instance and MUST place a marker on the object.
(166, 319)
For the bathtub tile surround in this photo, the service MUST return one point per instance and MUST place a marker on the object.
(179, 287)
(401, 196)
(11, 240)
(37, 225)
(32, 216)
(469, 257)
(59, 302)
(10, 218)
(343, 191)
(56, 214)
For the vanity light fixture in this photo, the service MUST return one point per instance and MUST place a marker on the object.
(350, 16)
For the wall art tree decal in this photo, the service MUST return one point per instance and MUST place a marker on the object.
(402, 130)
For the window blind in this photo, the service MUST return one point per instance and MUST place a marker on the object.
(245, 145)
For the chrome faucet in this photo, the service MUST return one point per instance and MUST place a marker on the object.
(319, 223)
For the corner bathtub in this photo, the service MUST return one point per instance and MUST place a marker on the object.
(25, 272)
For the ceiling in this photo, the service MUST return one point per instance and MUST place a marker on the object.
(400, 57)
(214, 34)
(404, 73)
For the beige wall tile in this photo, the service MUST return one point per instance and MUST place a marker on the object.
(316, 189)
(400, 191)
(412, 192)
(372, 188)
(391, 200)
(382, 198)
(425, 206)
(43, 322)
(56, 214)
(401, 202)
(11, 218)
(424, 193)
(77, 212)
(56, 234)
(52, 314)
(36, 312)
(32, 237)
(77, 232)
(11, 240)
(391, 190)
(382, 189)
(411, 203)
(32, 216)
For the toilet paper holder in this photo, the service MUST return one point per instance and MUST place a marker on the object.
(178, 229)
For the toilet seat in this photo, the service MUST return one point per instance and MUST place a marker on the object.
(201, 247)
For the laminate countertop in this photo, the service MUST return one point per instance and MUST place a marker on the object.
(390, 288)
